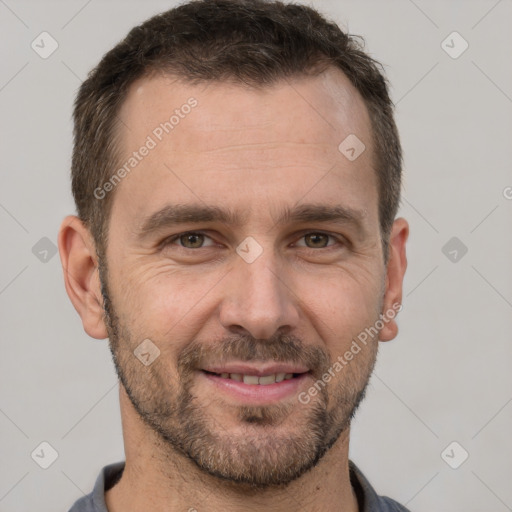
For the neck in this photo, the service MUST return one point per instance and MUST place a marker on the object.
(158, 478)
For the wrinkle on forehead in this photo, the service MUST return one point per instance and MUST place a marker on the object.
(279, 141)
(328, 103)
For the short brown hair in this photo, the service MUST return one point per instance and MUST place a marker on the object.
(253, 42)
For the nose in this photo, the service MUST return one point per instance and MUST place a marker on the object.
(258, 300)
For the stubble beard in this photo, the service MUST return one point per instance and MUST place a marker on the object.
(262, 454)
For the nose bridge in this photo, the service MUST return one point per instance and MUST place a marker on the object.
(262, 282)
(258, 299)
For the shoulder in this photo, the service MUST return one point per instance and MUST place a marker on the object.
(368, 499)
(84, 504)
(95, 501)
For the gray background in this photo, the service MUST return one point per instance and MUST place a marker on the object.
(445, 378)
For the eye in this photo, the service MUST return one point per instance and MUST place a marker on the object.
(190, 240)
(317, 240)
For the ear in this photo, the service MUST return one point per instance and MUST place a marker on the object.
(397, 264)
(81, 277)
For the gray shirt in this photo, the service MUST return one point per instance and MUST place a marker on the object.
(367, 498)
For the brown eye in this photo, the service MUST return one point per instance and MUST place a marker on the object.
(316, 240)
(192, 240)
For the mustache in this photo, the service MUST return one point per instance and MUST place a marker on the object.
(280, 348)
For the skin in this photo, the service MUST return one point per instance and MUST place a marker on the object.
(255, 152)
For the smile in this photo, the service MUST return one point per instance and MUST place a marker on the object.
(255, 387)
(261, 380)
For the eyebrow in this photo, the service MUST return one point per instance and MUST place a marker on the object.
(177, 214)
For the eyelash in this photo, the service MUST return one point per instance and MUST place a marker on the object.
(172, 239)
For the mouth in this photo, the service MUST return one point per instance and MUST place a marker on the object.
(249, 384)
(261, 380)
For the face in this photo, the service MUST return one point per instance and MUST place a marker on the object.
(245, 246)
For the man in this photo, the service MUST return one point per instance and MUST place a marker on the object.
(236, 172)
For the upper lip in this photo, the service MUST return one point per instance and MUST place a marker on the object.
(254, 369)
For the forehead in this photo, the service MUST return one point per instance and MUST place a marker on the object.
(317, 109)
(210, 139)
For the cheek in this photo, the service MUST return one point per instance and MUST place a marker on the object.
(341, 309)
(163, 304)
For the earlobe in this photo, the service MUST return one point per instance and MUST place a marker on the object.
(80, 267)
(397, 265)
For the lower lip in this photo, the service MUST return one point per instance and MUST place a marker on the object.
(256, 393)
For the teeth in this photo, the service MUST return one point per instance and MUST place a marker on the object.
(251, 379)
(267, 379)
(264, 380)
